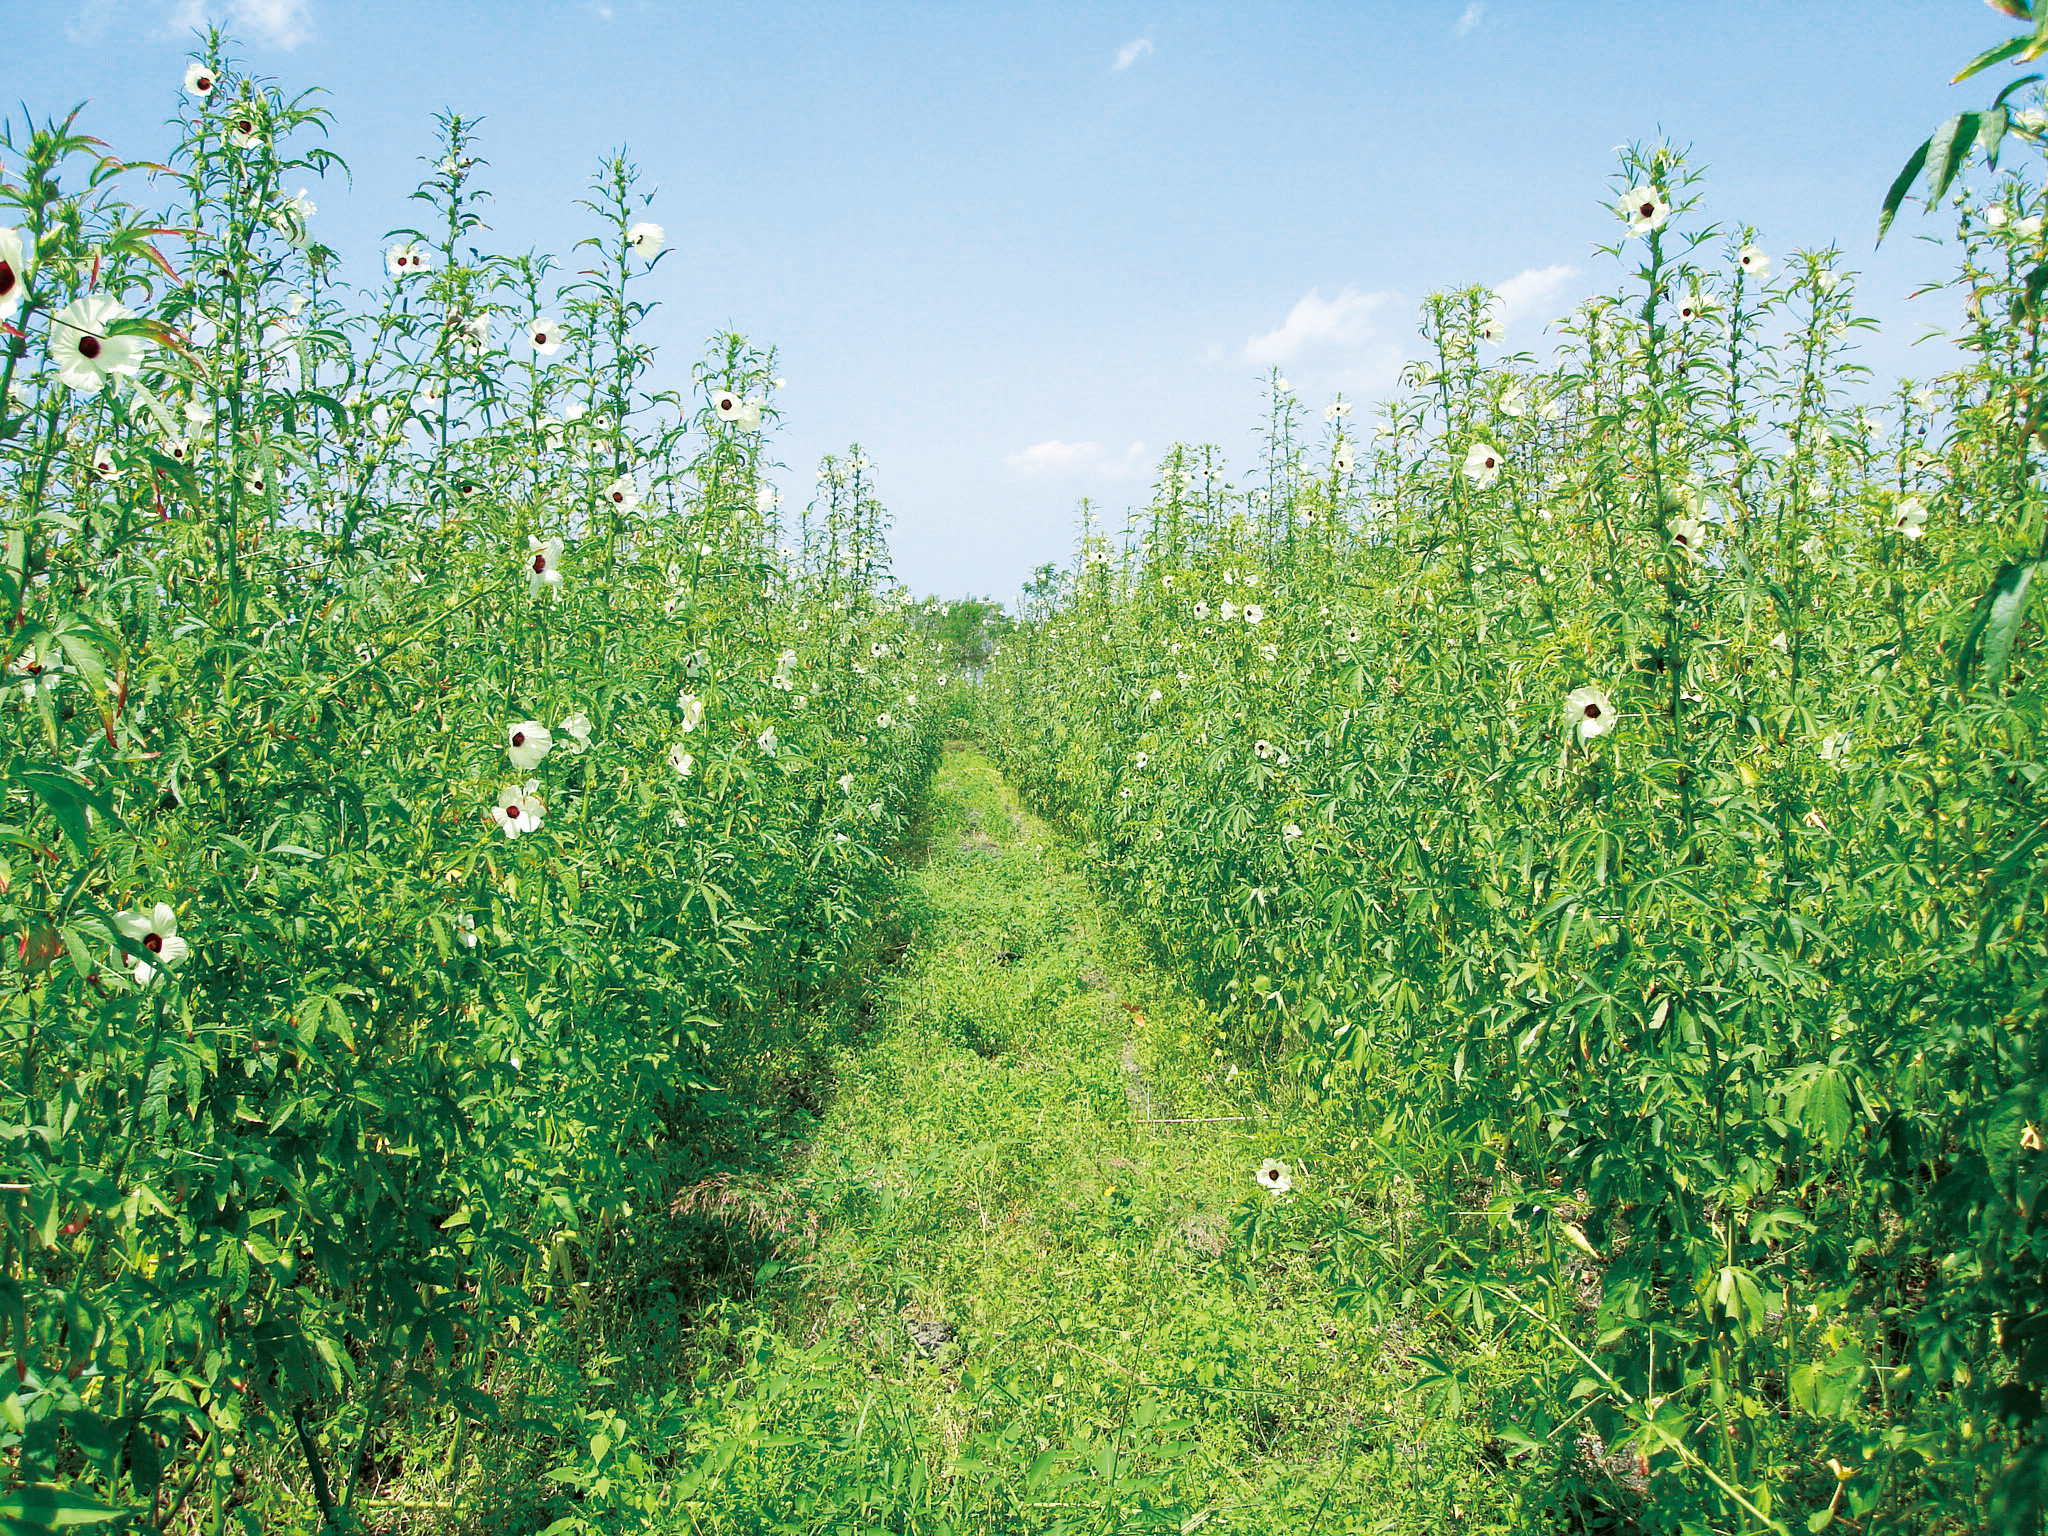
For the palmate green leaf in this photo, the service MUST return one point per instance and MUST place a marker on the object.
(67, 798)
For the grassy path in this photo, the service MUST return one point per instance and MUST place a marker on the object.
(1033, 1284)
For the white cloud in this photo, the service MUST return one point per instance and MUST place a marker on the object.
(1317, 325)
(1054, 458)
(1133, 51)
(268, 23)
(1531, 294)
(1468, 23)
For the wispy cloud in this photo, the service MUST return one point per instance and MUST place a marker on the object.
(1468, 23)
(1133, 51)
(1056, 459)
(1320, 326)
(1531, 294)
(268, 23)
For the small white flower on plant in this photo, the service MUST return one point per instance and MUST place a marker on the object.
(1230, 578)
(157, 932)
(518, 809)
(527, 743)
(544, 335)
(749, 414)
(577, 729)
(767, 499)
(1262, 748)
(199, 80)
(1142, 760)
(103, 464)
(1272, 1177)
(465, 929)
(1753, 261)
(767, 741)
(1343, 460)
(1490, 328)
(1909, 517)
(693, 710)
(1590, 711)
(1352, 634)
(1482, 464)
(544, 563)
(1154, 696)
(1201, 610)
(405, 260)
(1229, 612)
(179, 448)
(85, 353)
(885, 720)
(646, 240)
(1336, 409)
(1689, 534)
(1645, 210)
(1290, 832)
(15, 260)
(726, 405)
(1514, 400)
(1254, 614)
(244, 131)
(622, 494)
(681, 761)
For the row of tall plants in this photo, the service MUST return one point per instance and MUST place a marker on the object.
(1613, 779)
(436, 778)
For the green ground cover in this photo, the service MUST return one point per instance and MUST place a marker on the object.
(1024, 1277)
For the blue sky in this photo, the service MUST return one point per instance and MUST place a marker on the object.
(1016, 250)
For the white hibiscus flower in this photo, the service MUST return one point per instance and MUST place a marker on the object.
(85, 354)
(1645, 210)
(405, 260)
(1909, 517)
(519, 809)
(544, 563)
(693, 711)
(1689, 534)
(16, 257)
(1254, 614)
(199, 80)
(622, 495)
(527, 743)
(1482, 465)
(1754, 262)
(682, 762)
(157, 932)
(646, 240)
(577, 729)
(544, 335)
(1590, 712)
(1272, 1177)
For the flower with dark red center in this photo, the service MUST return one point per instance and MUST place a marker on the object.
(543, 562)
(646, 240)
(405, 260)
(14, 265)
(1590, 712)
(527, 743)
(1754, 263)
(622, 495)
(157, 932)
(518, 809)
(1645, 210)
(1482, 465)
(199, 80)
(545, 335)
(83, 349)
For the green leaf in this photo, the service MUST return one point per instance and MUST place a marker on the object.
(1895, 199)
(1997, 625)
(2011, 48)
(67, 799)
(47, 1507)
(1948, 150)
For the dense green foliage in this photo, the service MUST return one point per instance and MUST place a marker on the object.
(434, 805)
(1617, 784)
